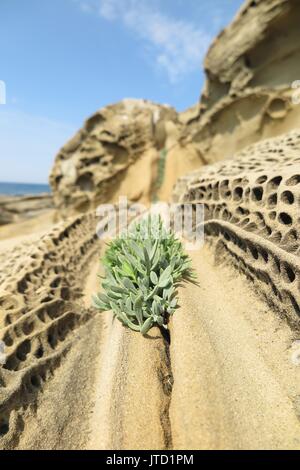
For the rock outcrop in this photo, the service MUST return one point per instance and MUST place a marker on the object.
(251, 93)
(252, 205)
(251, 90)
(226, 375)
(116, 152)
(249, 116)
(40, 313)
(19, 208)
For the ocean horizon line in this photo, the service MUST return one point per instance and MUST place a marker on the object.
(24, 183)
(12, 188)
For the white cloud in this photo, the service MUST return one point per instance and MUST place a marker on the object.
(178, 46)
(28, 145)
(108, 9)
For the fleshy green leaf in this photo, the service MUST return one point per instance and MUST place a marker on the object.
(147, 326)
(153, 277)
(142, 270)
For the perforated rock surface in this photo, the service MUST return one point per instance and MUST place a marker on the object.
(252, 212)
(40, 315)
(91, 167)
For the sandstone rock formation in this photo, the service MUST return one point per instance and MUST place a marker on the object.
(251, 69)
(229, 378)
(252, 205)
(116, 152)
(39, 313)
(250, 94)
(19, 208)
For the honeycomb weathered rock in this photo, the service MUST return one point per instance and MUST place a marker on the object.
(252, 205)
(40, 313)
(91, 167)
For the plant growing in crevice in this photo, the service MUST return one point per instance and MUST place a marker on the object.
(142, 270)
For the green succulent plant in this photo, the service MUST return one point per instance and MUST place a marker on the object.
(142, 270)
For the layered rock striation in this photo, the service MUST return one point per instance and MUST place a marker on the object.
(19, 208)
(252, 89)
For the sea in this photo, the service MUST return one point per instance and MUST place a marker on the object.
(21, 189)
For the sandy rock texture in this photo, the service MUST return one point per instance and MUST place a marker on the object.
(77, 379)
(236, 385)
(40, 312)
(251, 69)
(226, 375)
(68, 368)
(19, 208)
(252, 207)
(115, 153)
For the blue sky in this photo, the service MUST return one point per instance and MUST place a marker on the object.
(61, 60)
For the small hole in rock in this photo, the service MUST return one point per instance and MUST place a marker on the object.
(274, 182)
(257, 193)
(290, 273)
(39, 352)
(293, 180)
(23, 349)
(261, 179)
(35, 381)
(4, 428)
(238, 193)
(287, 197)
(285, 218)
(272, 200)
